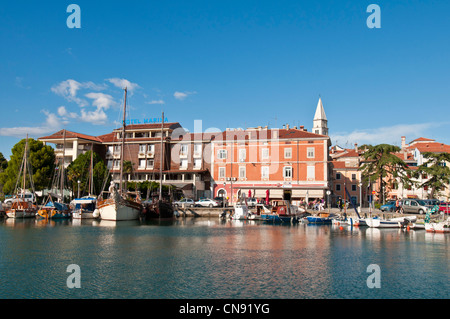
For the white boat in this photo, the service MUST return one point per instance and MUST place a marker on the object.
(397, 222)
(117, 206)
(84, 208)
(241, 212)
(438, 227)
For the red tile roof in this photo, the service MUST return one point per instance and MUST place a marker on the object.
(69, 135)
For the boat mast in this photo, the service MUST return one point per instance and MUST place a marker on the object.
(25, 167)
(91, 174)
(61, 200)
(123, 141)
(161, 158)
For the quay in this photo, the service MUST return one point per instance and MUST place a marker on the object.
(217, 211)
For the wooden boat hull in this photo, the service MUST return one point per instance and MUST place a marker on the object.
(111, 209)
(17, 213)
(53, 214)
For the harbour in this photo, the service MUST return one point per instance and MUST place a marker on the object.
(198, 258)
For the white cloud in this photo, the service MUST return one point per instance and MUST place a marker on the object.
(387, 134)
(62, 111)
(51, 124)
(182, 95)
(155, 102)
(122, 83)
(96, 117)
(68, 89)
(101, 100)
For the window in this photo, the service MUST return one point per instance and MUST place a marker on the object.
(338, 175)
(222, 154)
(338, 187)
(310, 172)
(109, 164)
(150, 163)
(241, 171)
(221, 172)
(264, 171)
(116, 149)
(198, 163)
(151, 148)
(288, 152)
(183, 150)
(287, 172)
(116, 163)
(242, 155)
(183, 163)
(265, 153)
(353, 177)
(142, 148)
(310, 152)
(142, 163)
(353, 188)
(197, 150)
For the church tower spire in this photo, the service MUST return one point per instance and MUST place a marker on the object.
(320, 122)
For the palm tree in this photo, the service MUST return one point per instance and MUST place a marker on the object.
(437, 171)
(128, 169)
(380, 163)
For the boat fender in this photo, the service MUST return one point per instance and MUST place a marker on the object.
(96, 213)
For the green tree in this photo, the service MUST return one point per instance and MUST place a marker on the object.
(79, 170)
(381, 164)
(42, 163)
(437, 171)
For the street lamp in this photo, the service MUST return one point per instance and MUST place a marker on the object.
(78, 182)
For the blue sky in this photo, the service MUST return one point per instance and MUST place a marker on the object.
(228, 64)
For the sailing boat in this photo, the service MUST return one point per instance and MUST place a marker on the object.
(21, 208)
(117, 207)
(85, 207)
(160, 207)
(52, 209)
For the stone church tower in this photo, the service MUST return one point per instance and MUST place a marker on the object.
(320, 125)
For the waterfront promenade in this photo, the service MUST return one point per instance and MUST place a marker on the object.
(216, 211)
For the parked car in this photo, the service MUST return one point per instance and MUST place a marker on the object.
(207, 203)
(388, 207)
(27, 197)
(414, 206)
(444, 208)
(187, 202)
(432, 202)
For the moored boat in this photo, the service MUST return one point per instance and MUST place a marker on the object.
(85, 208)
(54, 210)
(118, 207)
(281, 212)
(398, 222)
(438, 227)
(321, 218)
(21, 209)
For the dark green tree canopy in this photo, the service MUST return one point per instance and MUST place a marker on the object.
(42, 162)
(79, 170)
(437, 171)
(380, 162)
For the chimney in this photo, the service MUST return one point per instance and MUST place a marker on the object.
(356, 147)
(403, 142)
(287, 126)
(302, 128)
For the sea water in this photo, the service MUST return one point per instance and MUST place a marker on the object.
(208, 258)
